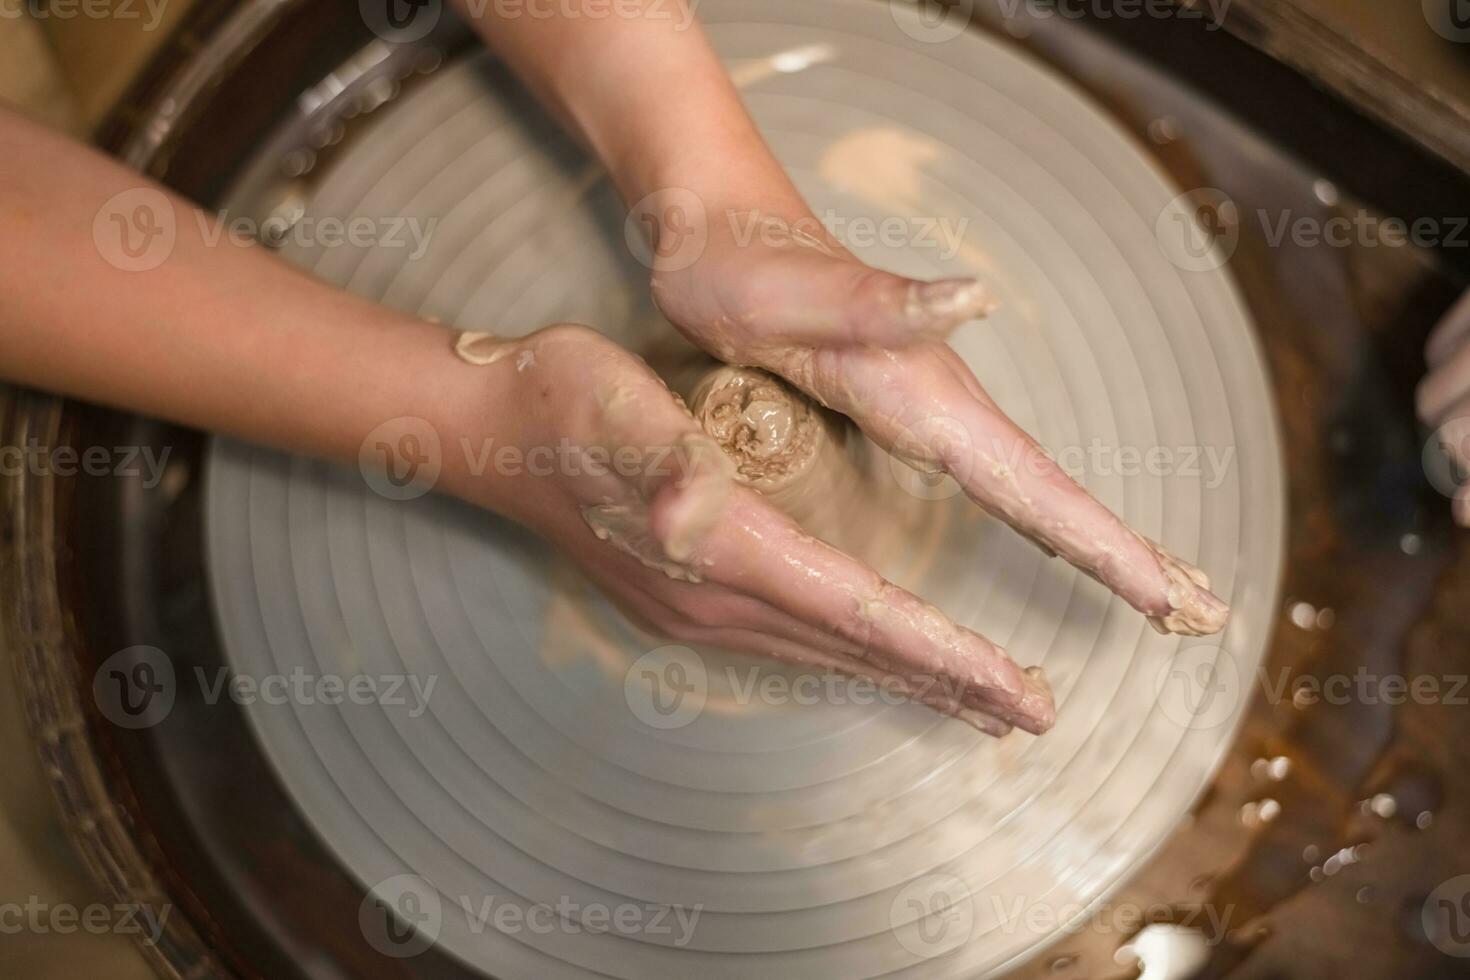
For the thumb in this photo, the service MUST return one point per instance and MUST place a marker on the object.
(687, 502)
(838, 301)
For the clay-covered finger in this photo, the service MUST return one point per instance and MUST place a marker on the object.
(761, 552)
(918, 404)
(816, 299)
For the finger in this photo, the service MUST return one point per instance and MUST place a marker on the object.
(711, 613)
(827, 649)
(919, 405)
(763, 553)
(821, 301)
(1453, 435)
(1443, 386)
(672, 479)
(1450, 334)
(932, 695)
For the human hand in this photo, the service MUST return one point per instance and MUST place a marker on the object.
(871, 345)
(1444, 397)
(651, 513)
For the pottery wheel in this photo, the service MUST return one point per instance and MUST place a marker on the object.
(561, 760)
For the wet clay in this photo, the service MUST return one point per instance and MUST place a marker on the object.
(792, 451)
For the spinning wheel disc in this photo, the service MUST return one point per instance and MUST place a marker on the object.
(562, 760)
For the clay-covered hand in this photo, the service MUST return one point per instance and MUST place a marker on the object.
(644, 502)
(1444, 398)
(872, 346)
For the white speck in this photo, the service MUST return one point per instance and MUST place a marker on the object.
(1309, 853)
(1279, 768)
(526, 358)
(1325, 619)
(1303, 615)
(1424, 820)
(1410, 544)
(800, 59)
(1166, 952)
(1256, 813)
(1326, 192)
(1384, 805)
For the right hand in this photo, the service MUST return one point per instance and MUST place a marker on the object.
(669, 536)
(1444, 397)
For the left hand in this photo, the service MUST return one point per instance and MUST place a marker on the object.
(1444, 396)
(871, 345)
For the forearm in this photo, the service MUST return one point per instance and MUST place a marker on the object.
(639, 82)
(217, 335)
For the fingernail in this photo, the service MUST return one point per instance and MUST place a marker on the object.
(947, 303)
